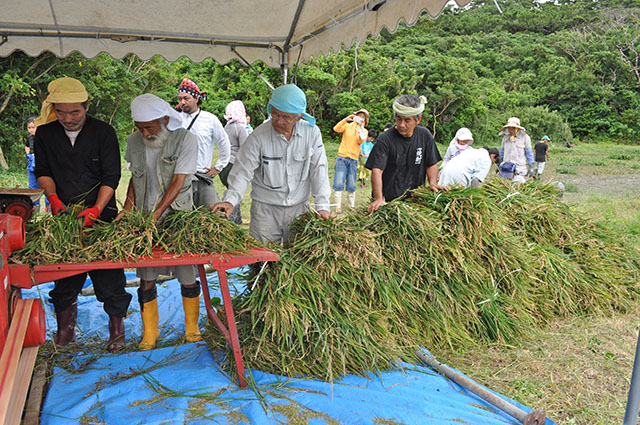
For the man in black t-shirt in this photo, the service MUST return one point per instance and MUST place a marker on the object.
(404, 156)
(541, 150)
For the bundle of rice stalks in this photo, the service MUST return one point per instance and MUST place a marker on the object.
(357, 294)
(319, 310)
(200, 232)
(56, 239)
(444, 247)
(131, 236)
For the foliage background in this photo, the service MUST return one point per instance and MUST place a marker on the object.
(569, 69)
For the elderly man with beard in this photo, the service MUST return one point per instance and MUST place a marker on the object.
(78, 162)
(163, 156)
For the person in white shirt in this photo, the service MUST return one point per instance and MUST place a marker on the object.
(469, 168)
(209, 131)
(284, 161)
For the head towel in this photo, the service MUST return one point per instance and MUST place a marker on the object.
(62, 90)
(149, 107)
(291, 100)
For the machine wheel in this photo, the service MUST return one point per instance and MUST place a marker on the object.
(15, 294)
(37, 327)
(21, 209)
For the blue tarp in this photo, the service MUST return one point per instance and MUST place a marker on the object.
(187, 384)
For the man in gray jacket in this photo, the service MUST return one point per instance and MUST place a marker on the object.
(163, 156)
(284, 161)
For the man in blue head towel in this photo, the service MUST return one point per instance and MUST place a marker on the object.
(284, 161)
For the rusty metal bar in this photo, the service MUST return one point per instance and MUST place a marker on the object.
(536, 417)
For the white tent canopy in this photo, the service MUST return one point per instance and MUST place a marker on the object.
(276, 32)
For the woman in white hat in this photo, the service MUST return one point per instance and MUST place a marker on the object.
(516, 146)
(460, 142)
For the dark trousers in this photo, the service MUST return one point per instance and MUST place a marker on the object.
(108, 285)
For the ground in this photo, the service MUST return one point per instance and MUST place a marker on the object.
(579, 369)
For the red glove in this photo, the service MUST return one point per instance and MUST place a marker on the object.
(90, 215)
(56, 204)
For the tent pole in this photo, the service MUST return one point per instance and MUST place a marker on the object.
(284, 65)
(252, 68)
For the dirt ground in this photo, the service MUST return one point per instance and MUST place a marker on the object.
(601, 185)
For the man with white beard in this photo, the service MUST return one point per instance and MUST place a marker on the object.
(163, 156)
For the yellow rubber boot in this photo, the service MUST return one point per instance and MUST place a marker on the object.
(149, 312)
(191, 308)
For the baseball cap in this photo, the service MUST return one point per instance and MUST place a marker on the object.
(507, 169)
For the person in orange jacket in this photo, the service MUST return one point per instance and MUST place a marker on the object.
(353, 134)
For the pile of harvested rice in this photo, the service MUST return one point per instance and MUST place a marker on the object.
(358, 294)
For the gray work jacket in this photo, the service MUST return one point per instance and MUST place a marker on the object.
(281, 172)
(180, 140)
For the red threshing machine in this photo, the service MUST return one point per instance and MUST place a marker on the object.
(22, 324)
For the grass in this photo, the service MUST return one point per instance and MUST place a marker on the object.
(578, 369)
(566, 171)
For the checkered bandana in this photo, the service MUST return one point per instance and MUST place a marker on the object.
(188, 86)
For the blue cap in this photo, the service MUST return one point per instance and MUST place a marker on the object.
(507, 169)
(291, 100)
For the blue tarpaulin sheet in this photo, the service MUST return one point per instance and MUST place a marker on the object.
(187, 384)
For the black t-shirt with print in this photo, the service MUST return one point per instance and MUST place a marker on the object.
(404, 161)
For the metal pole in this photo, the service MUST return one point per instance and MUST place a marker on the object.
(537, 417)
(633, 401)
(253, 69)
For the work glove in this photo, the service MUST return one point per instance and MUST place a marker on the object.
(56, 204)
(90, 215)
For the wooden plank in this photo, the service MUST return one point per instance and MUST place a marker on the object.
(34, 403)
(11, 353)
(21, 385)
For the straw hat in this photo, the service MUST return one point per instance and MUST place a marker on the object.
(366, 116)
(513, 122)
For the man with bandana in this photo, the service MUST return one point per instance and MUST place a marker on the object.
(284, 161)
(163, 156)
(403, 156)
(516, 146)
(78, 162)
(209, 131)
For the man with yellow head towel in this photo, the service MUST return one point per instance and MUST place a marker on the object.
(78, 162)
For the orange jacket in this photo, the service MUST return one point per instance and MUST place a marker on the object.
(350, 144)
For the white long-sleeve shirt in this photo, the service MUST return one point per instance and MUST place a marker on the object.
(281, 173)
(461, 169)
(209, 132)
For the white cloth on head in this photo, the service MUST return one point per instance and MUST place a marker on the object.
(463, 133)
(235, 112)
(408, 111)
(149, 107)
